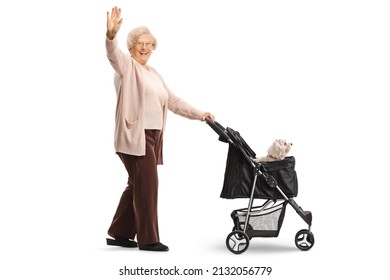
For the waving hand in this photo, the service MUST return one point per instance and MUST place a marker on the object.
(114, 22)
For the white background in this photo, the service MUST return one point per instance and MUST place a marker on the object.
(313, 72)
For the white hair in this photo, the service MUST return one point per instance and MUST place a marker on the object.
(135, 33)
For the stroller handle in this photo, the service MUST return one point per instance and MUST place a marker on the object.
(219, 129)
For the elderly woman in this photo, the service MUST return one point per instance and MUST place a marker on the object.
(143, 99)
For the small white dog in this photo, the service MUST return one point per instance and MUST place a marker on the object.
(277, 151)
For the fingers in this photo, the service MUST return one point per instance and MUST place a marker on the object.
(208, 115)
(114, 20)
(116, 13)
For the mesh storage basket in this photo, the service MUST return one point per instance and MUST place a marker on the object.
(264, 223)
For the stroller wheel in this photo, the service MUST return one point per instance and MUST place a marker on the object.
(237, 242)
(304, 240)
(241, 227)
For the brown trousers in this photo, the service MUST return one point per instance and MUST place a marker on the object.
(136, 214)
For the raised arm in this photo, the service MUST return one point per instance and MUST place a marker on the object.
(117, 58)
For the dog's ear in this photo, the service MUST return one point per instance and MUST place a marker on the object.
(272, 149)
(275, 149)
(284, 148)
(281, 149)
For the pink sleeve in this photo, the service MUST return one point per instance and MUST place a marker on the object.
(117, 58)
(182, 108)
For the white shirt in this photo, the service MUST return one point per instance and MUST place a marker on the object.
(156, 97)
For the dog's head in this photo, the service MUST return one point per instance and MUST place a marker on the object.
(279, 149)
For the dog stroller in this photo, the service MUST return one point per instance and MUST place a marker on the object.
(273, 182)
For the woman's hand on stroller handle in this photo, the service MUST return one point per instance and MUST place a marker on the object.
(206, 116)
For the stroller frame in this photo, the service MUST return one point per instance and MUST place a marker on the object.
(237, 241)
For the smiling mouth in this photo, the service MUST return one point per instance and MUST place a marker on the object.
(144, 53)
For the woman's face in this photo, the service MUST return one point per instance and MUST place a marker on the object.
(142, 48)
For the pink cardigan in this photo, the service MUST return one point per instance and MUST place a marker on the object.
(128, 80)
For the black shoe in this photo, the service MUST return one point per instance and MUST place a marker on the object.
(154, 247)
(123, 242)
